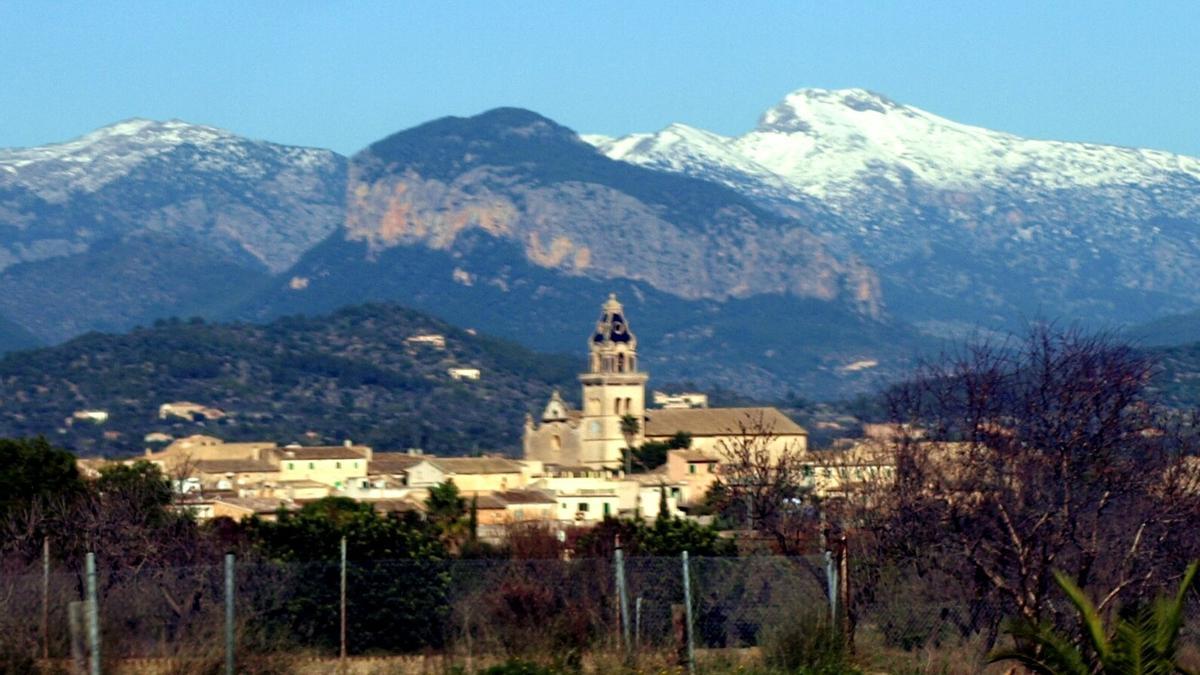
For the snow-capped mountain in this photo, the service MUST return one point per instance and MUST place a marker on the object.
(142, 219)
(219, 167)
(949, 212)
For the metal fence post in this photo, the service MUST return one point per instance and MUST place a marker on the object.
(342, 654)
(93, 613)
(75, 623)
(623, 595)
(637, 623)
(831, 579)
(229, 616)
(45, 598)
(687, 612)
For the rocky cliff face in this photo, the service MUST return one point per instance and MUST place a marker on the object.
(520, 177)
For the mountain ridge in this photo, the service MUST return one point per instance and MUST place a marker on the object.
(1093, 232)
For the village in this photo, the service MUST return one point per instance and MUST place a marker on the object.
(575, 469)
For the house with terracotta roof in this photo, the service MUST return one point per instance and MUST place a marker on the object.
(515, 506)
(335, 466)
(470, 474)
(695, 470)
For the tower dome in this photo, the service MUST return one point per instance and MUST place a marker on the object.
(613, 346)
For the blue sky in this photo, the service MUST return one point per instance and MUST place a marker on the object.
(343, 74)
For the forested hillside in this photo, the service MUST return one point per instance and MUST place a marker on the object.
(348, 375)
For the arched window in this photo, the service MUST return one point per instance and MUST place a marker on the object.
(628, 405)
(617, 406)
(620, 363)
(556, 442)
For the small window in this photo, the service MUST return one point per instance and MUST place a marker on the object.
(583, 506)
(310, 466)
(564, 505)
(607, 509)
(338, 465)
(807, 471)
(675, 492)
(291, 466)
(691, 468)
(356, 465)
(712, 468)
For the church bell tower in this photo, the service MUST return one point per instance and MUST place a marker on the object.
(613, 387)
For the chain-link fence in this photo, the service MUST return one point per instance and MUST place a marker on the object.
(461, 611)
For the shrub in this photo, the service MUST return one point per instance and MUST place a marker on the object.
(810, 645)
(518, 667)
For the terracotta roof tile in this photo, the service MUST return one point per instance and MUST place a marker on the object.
(666, 422)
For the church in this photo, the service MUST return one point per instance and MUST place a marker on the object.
(613, 388)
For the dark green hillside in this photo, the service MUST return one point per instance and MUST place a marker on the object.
(348, 375)
(119, 284)
(762, 346)
(1177, 329)
(13, 336)
(1177, 382)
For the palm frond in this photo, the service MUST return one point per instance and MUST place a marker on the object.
(1093, 625)
(1041, 649)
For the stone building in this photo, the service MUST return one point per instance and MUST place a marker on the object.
(614, 387)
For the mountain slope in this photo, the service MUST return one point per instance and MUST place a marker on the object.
(519, 176)
(963, 224)
(318, 380)
(768, 344)
(508, 222)
(238, 203)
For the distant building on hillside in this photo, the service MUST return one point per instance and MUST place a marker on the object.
(464, 373)
(96, 416)
(434, 340)
(681, 400)
(189, 411)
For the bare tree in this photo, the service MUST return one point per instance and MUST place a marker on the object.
(1037, 455)
(764, 476)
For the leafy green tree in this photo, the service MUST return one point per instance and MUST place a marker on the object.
(652, 454)
(1144, 642)
(32, 471)
(446, 509)
(630, 427)
(142, 484)
(668, 536)
(396, 581)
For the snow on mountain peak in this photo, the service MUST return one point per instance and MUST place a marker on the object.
(793, 113)
(87, 163)
(828, 143)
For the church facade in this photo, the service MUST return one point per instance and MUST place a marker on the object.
(614, 387)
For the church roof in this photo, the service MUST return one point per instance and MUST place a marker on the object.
(719, 422)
